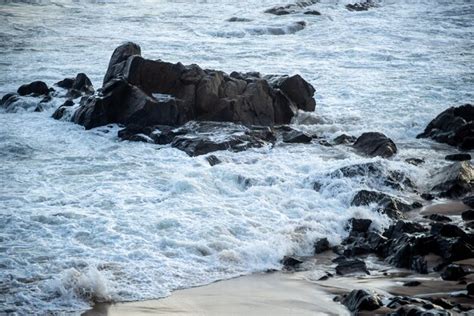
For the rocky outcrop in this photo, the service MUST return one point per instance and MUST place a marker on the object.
(147, 92)
(455, 127)
(375, 144)
(36, 88)
(77, 87)
(454, 181)
(29, 97)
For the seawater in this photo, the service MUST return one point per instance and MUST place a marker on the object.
(87, 218)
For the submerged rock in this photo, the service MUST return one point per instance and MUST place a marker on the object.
(455, 127)
(375, 144)
(344, 139)
(147, 92)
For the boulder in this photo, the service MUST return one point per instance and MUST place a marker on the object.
(359, 225)
(438, 218)
(454, 272)
(344, 139)
(390, 205)
(350, 266)
(237, 19)
(290, 262)
(297, 137)
(455, 127)
(361, 300)
(213, 160)
(469, 200)
(321, 245)
(468, 215)
(361, 6)
(36, 88)
(455, 180)
(81, 86)
(148, 92)
(470, 289)
(312, 12)
(291, 8)
(375, 144)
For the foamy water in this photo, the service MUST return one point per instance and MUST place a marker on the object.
(85, 217)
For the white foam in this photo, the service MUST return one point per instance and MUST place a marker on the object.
(87, 218)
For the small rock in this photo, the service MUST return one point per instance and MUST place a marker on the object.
(344, 139)
(312, 12)
(361, 300)
(468, 215)
(213, 160)
(237, 19)
(36, 88)
(290, 262)
(470, 289)
(349, 266)
(469, 201)
(412, 283)
(361, 6)
(427, 196)
(321, 246)
(454, 272)
(375, 144)
(297, 137)
(360, 225)
(438, 218)
(458, 157)
(415, 161)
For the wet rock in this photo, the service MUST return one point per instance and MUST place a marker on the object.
(66, 83)
(297, 137)
(470, 289)
(361, 300)
(36, 88)
(375, 144)
(344, 139)
(438, 218)
(415, 161)
(360, 225)
(321, 246)
(468, 215)
(350, 266)
(291, 8)
(312, 12)
(442, 303)
(8, 99)
(447, 230)
(390, 205)
(455, 180)
(147, 92)
(213, 160)
(455, 127)
(469, 201)
(376, 172)
(237, 19)
(454, 272)
(81, 86)
(290, 262)
(419, 264)
(427, 196)
(458, 157)
(412, 283)
(361, 6)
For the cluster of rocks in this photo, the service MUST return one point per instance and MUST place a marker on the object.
(146, 92)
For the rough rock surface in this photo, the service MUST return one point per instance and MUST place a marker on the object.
(375, 144)
(147, 92)
(361, 6)
(455, 127)
(454, 181)
(361, 300)
(389, 205)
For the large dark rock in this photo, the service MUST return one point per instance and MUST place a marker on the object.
(375, 144)
(291, 263)
(297, 137)
(458, 157)
(361, 6)
(455, 180)
(148, 92)
(468, 215)
(374, 174)
(321, 245)
(390, 205)
(360, 225)
(361, 300)
(455, 127)
(469, 200)
(36, 88)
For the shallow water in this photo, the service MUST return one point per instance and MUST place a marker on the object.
(87, 218)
